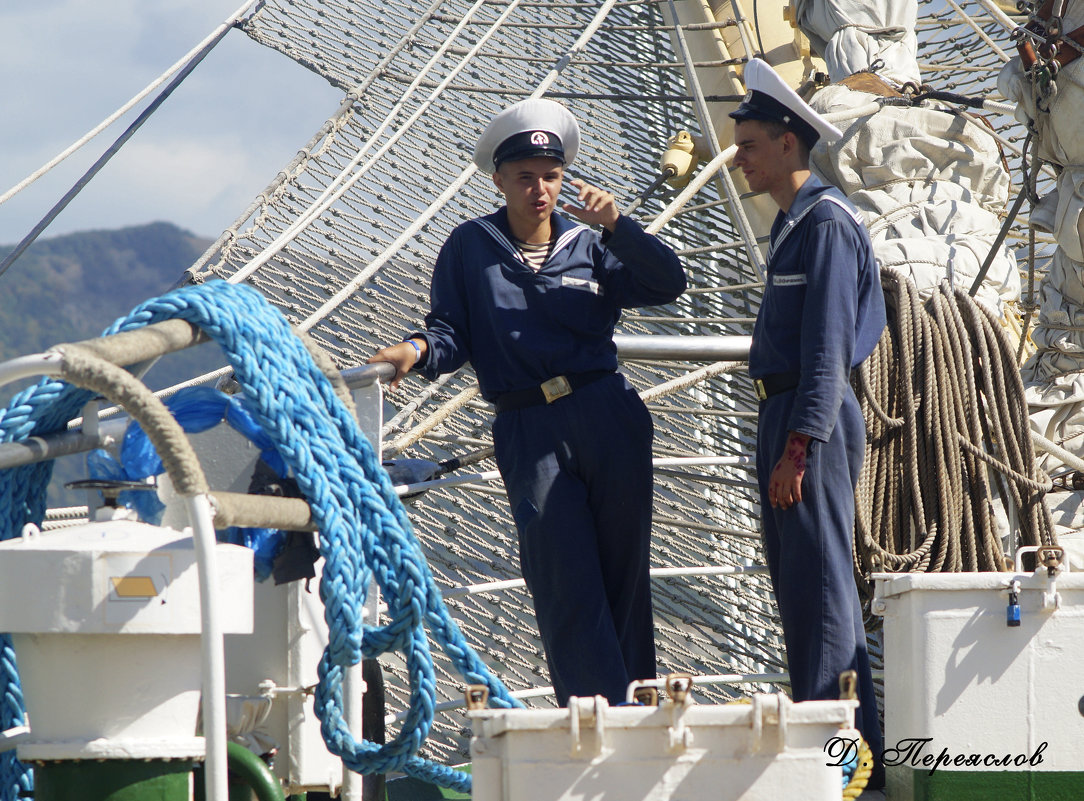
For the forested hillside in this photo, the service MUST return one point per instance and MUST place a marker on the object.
(72, 287)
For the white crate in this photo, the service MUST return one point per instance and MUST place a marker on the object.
(770, 749)
(961, 686)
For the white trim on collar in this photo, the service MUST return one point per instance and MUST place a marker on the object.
(501, 239)
(563, 241)
(792, 223)
(566, 239)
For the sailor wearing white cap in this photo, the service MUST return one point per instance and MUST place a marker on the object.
(531, 298)
(769, 99)
(530, 128)
(821, 315)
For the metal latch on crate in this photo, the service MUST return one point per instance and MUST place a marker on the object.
(1055, 560)
(586, 711)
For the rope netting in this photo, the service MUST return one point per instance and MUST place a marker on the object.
(419, 84)
(410, 142)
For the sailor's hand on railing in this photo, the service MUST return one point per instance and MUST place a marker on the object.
(403, 356)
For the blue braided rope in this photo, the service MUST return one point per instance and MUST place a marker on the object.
(364, 529)
(850, 767)
(15, 777)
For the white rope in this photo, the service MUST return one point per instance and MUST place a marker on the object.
(341, 184)
(1067, 458)
(852, 113)
(995, 105)
(409, 438)
(59, 525)
(163, 394)
(34, 176)
(694, 186)
(1000, 16)
(67, 513)
(409, 410)
(688, 380)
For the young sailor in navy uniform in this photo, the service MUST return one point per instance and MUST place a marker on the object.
(531, 298)
(821, 315)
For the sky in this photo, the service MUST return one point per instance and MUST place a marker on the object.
(216, 142)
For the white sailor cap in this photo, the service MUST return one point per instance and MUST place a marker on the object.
(769, 98)
(530, 128)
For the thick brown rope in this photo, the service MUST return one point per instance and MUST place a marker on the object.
(947, 440)
(83, 368)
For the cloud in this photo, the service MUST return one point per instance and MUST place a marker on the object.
(200, 184)
(215, 143)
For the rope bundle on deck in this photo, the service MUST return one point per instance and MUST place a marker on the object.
(364, 533)
(947, 440)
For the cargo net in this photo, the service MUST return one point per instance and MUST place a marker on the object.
(420, 84)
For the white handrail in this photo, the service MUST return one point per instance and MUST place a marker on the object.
(212, 648)
(656, 572)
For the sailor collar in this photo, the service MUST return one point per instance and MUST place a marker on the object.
(496, 225)
(809, 194)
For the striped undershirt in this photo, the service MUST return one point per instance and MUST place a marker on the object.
(534, 254)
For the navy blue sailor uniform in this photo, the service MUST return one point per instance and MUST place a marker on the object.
(578, 470)
(821, 315)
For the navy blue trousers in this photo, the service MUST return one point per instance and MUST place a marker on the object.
(808, 547)
(579, 480)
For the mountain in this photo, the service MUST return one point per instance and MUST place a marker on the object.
(70, 288)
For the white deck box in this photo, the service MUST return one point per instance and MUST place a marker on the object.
(974, 707)
(768, 750)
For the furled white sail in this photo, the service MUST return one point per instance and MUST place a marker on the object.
(852, 35)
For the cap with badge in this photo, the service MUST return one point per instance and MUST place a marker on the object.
(770, 99)
(530, 128)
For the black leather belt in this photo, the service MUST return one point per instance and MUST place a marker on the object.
(774, 384)
(547, 391)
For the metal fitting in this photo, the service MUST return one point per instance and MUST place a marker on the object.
(678, 686)
(477, 696)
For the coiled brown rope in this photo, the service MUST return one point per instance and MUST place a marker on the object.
(947, 440)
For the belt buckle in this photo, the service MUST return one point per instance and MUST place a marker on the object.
(555, 388)
(758, 388)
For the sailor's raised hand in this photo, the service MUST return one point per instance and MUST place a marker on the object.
(598, 206)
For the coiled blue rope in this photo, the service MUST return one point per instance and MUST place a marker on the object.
(15, 778)
(364, 530)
